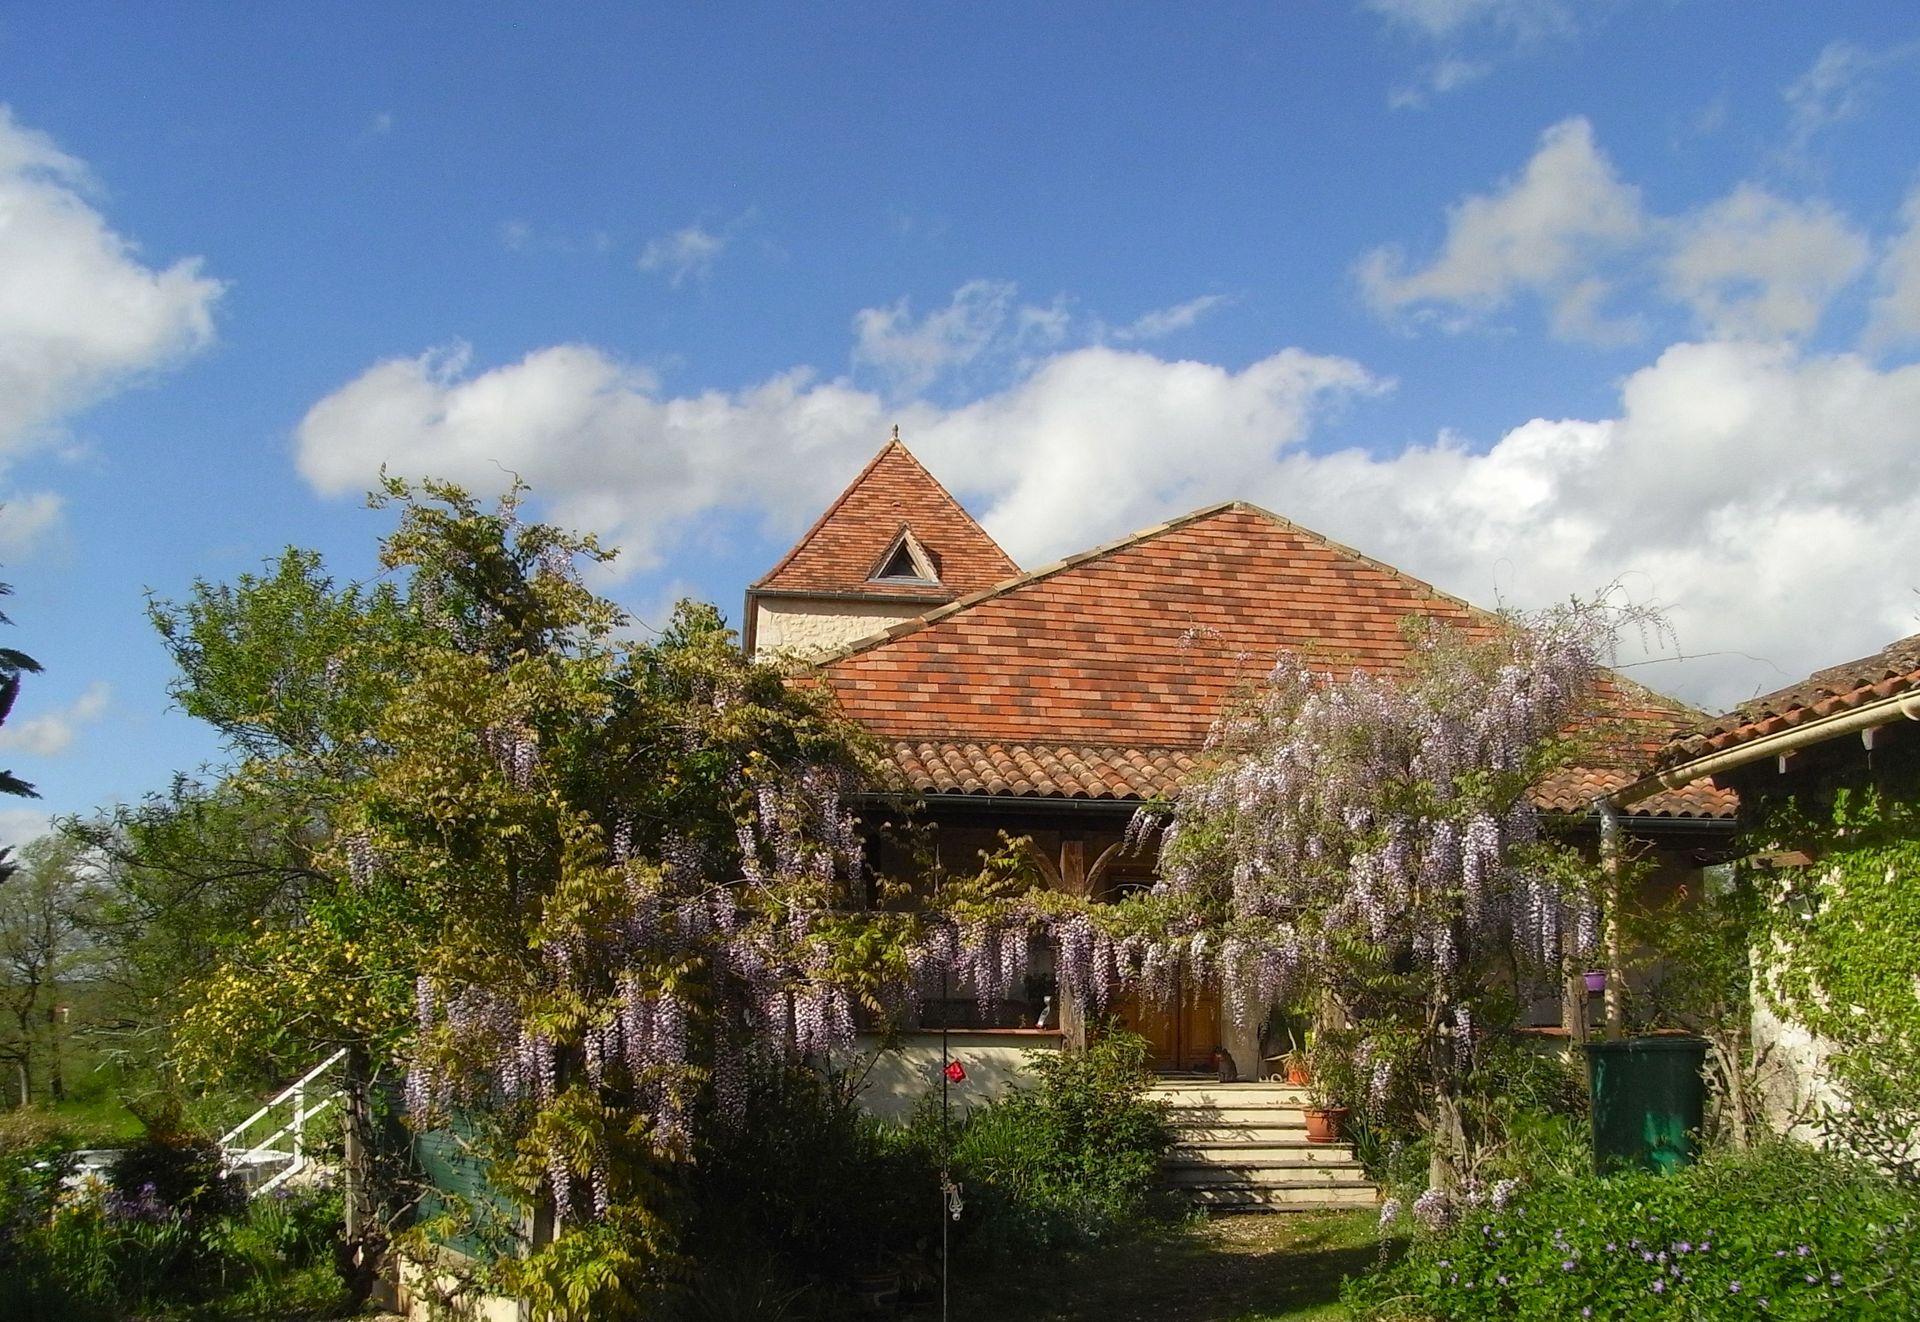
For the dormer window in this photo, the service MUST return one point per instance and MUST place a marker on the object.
(907, 563)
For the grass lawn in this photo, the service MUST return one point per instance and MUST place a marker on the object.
(1283, 1268)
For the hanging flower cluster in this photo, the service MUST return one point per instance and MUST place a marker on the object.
(1392, 809)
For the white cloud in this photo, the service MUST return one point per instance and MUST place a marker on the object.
(1447, 18)
(1166, 321)
(686, 254)
(606, 450)
(1770, 499)
(1836, 88)
(80, 315)
(1756, 266)
(1544, 232)
(19, 825)
(1895, 314)
(1571, 233)
(1469, 37)
(26, 519)
(51, 733)
(984, 319)
(1770, 496)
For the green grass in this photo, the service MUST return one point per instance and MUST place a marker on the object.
(1284, 1268)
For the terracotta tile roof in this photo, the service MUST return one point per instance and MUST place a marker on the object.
(893, 493)
(1100, 676)
(1134, 775)
(1574, 790)
(1893, 670)
(1130, 774)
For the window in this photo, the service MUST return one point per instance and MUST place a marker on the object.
(907, 562)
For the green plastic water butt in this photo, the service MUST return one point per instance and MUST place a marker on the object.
(1648, 1102)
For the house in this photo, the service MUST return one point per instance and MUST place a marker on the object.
(1847, 727)
(1053, 703)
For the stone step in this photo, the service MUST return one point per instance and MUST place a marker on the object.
(1280, 1130)
(1232, 1151)
(1230, 1095)
(1288, 1177)
(1212, 1117)
(1275, 1198)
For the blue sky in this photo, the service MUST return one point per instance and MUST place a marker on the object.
(1521, 295)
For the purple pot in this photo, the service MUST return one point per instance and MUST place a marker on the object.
(1597, 982)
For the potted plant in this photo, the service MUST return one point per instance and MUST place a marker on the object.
(1326, 1108)
(1297, 1063)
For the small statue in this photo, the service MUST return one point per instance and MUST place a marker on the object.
(1223, 1064)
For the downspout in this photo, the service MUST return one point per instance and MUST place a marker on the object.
(1616, 1004)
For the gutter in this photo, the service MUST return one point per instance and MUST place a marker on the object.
(1778, 744)
(1038, 803)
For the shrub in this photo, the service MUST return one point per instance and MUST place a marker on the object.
(172, 1169)
(1781, 1232)
(1071, 1160)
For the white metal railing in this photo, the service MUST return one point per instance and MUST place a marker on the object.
(248, 1160)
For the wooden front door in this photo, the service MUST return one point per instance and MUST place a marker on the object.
(1182, 1029)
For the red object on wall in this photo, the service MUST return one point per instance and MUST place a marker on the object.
(955, 1072)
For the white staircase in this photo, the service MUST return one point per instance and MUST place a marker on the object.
(266, 1163)
(1242, 1147)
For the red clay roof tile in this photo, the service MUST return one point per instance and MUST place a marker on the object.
(1100, 676)
(1893, 669)
(892, 493)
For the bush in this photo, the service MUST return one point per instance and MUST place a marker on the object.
(173, 1170)
(1070, 1161)
(1782, 1232)
(802, 1186)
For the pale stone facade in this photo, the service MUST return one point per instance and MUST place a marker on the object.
(810, 626)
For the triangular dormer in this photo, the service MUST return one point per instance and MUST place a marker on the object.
(907, 564)
(894, 544)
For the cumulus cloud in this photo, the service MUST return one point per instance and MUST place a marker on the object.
(686, 254)
(51, 733)
(80, 315)
(1544, 232)
(1767, 497)
(609, 451)
(1756, 266)
(1895, 312)
(1569, 232)
(1767, 494)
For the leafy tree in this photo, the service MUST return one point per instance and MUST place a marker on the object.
(564, 876)
(1370, 838)
(13, 664)
(44, 952)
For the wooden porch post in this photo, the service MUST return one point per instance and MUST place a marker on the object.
(1073, 880)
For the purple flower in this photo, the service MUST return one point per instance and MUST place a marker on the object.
(1659, 1287)
(1733, 1287)
(1567, 1265)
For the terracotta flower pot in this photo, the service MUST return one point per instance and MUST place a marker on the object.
(1299, 1075)
(1324, 1123)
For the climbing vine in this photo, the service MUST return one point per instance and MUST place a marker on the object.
(1844, 961)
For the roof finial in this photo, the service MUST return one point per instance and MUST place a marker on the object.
(896, 433)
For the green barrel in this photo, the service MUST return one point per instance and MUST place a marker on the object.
(1648, 1102)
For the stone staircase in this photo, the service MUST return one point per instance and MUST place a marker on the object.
(1242, 1147)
